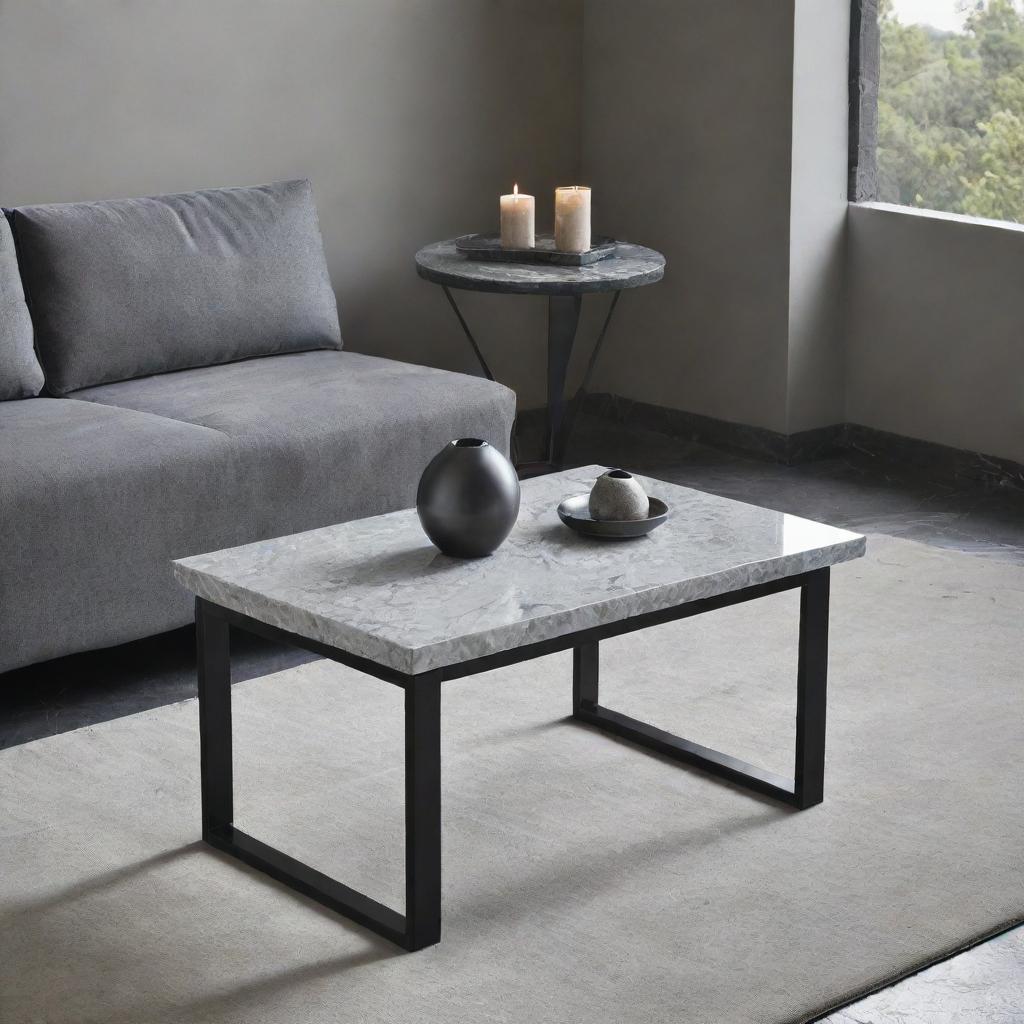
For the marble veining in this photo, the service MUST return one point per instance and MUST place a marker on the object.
(630, 267)
(378, 589)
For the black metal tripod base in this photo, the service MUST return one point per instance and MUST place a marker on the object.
(563, 321)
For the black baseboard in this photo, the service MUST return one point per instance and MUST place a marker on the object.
(805, 446)
(955, 463)
(738, 437)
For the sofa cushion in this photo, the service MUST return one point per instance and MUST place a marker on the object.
(326, 436)
(94, 503)
(131, 287)
(20, 373)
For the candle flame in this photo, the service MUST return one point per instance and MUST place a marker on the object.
(515, 190)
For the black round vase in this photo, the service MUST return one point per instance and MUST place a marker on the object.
(468, 498)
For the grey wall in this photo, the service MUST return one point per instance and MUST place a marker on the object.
(686, 142)
(935, 346)
(711, 131)
(717, 133)
(728, 151)
(410, 117)
(817, 229)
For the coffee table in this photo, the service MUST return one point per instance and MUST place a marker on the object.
(376, 596)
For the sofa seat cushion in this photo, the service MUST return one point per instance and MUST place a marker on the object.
(20, 373)
(326, 436)
(94, 502)
(130, 287)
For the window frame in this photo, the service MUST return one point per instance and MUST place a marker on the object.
(865, 60)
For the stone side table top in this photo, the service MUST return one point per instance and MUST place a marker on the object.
(631, 267)
(378, 589)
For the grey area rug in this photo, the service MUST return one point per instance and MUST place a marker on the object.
(584, 880)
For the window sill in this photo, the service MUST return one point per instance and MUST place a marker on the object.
(956, 218)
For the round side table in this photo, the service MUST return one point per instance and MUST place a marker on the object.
(632, 266)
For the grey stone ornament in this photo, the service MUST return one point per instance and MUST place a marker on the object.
(468, 498)
(618, 496)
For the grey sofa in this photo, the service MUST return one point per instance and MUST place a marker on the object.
(197, 395)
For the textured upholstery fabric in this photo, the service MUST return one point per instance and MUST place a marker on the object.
(325, 436)
(94, 501)
(130, 287)
(20, 373)
(97, 496)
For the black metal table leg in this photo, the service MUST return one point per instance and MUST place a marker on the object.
(513, 440)
(812, 684)
(563, 319)
(214, 664)
(420, 926)
(806, 788)
(469, 335)
(585, 677)
(423, 812)
(578, 399)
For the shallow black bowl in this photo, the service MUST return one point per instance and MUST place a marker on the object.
(575, 513)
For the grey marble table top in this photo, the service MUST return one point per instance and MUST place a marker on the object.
(630, 267)
(378, 589)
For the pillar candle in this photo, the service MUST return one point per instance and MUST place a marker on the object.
(517, 213)
(572, 219)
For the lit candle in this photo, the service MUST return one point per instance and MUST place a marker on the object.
(517, 220)
(572, 219)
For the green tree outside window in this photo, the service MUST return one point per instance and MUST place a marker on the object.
(951, 113)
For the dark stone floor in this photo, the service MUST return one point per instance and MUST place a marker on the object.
(858, 490)
(985, 985)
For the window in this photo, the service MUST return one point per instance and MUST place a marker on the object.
(950, 128)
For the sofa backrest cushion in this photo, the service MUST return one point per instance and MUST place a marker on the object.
(131, 287)
(20, 373)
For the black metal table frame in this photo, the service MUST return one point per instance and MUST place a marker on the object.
(420, 925)
(563, 322)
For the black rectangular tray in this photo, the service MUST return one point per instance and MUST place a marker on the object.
(488, 247)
